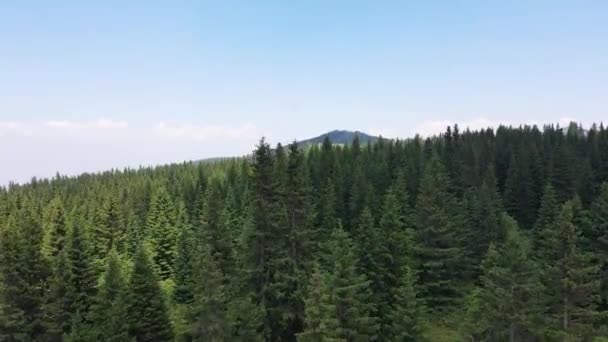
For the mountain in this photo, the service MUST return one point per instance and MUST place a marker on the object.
(340, 137)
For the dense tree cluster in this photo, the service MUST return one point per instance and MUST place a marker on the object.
(492, 235)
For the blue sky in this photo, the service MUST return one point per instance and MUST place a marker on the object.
(87, 87)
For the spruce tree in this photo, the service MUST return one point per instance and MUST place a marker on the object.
(406, 311)
(147, 312)
(109, 313)
(13, 324)
(24, 272)
(160, 227)
(350, 292)
(109, 230)
(437, 250)
(209, 308)
(214, 235)
(55, 228)
(185, 251)
(507, 299)
(546, 220)
(599, 240)
(59, 299)
(320, 322)
(573, 279)
(82, 273)
(485, 221)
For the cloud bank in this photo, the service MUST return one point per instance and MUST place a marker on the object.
(72, 147)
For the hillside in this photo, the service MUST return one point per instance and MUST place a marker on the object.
(340, 137)
(465, 236)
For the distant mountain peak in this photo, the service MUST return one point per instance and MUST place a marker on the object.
(343, 137)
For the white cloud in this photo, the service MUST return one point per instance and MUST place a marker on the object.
(431, 127)
(565, 122)
(205, 132)
(14, 127)
(108, 123)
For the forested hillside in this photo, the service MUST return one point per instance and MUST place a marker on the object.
(492, 235)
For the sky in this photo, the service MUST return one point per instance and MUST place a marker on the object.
(87, 86)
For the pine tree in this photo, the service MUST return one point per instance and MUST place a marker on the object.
(405, 314)
(546, 220)
(506, 303)
(12, 317)
(24, 271)
(147, 312)
(218, 239)
(109, 229)
(55, 228)
(437, 250)
(109, 314)
(59, 299)
(599, 238)
(485, 221)
(572, 276)
(320, 324)
(350, 292)
(518, 193)
(80, 330)
(185, 251)
(134, 234)
(83, 274)
(209, 309)
(160, 226)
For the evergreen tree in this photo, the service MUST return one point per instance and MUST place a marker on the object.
(573, 279)
(519, 187)
(54, 227)
(546, 220)
(405, 314)
(134, 234)
(209, 309)
(350, 292)
(160, 227)
(82, 273)
(185, 251)
(215, 236)
(437, 250)
(12, 320)
(506, 306)
(599, 238)
(109, 315)
(485, 220)
(321, 322)
(24, 273)
(59, 299)
(109, 229)
(147, 312)
(80, 331)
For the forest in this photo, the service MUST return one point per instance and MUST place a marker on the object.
(487, 235)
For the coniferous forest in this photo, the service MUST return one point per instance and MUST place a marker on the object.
(489, 235)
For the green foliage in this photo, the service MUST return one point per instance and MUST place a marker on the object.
(437, 250)
(321, 323)
(83, 276)
(572, 277)
(109, 314)
(505, 305)
(147, 312)
(209, 309)
(406, 312)
(161, 230)
(232, 244)
(55, 228)
(350, 292)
